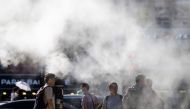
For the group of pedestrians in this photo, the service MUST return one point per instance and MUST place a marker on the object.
(142, 96)
(139, 96)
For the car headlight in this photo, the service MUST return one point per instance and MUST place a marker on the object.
(33, 93)
(4, 93)
(24, 93)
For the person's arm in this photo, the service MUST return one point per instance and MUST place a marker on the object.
(49, 97)
(121, 102)
(85, 106)
(84, 103)
(104, 105)
(125, 100)
(50, 104)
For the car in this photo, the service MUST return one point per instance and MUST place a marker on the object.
(20, 104)
(75, 100)
(70, 102)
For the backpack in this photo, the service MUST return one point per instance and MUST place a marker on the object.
(39, 102)
(95, 105)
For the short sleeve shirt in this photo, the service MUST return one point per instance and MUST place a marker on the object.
(112, 102)
(89, 99)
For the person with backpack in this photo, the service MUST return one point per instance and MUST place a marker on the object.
(45, 98)
(114, 100)
(89, 101)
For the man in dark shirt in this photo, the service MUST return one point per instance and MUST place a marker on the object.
(134, 98)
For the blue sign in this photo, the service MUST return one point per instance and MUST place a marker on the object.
(8, 81)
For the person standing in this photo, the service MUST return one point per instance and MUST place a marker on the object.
(114, 100)
(45, 96)
(153, 101)
(89, 101)
(19, 95)
(134, 98)
(14, 93)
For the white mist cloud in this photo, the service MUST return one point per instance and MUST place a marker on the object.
(88, 37)
(58, 63)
